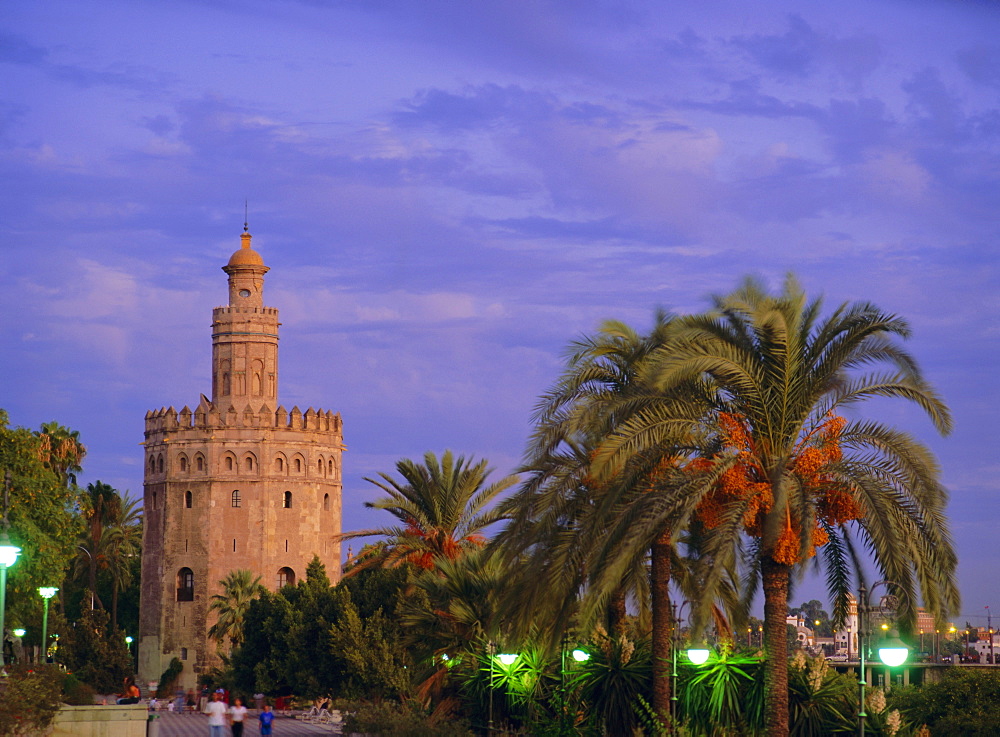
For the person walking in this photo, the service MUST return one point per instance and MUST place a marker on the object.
(266, 718)
(216, 711)
(237, 713)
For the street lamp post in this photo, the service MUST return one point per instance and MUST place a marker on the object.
(489, 726)
(46, 592)
(8, 556)
(891, 651)
(675, 643)
(989, 624)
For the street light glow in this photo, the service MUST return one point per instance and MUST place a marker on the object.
(47, 592)
(697, 655)
(580, 656)
(507, 658)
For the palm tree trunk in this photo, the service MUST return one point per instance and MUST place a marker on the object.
(114, 605)
(775, 577)
(92, 581)
(662, 644)
(617, 613)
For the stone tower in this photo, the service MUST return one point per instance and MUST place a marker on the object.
(240, 482)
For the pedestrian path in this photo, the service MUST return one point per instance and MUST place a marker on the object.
(196, 725)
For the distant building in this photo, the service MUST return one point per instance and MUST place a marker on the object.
(239, 482)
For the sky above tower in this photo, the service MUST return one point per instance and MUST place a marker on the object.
(448, 192)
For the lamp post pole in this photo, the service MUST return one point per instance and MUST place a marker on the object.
(46, 592)
(8, 556)
(862, 624)
(489, 725)
(675, 644)
(989, 624)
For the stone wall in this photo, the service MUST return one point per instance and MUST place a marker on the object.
(100, 721)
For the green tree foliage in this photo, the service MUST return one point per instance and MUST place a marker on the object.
(314, 640)
(374, 663)
(441, 507)
(95, 653)
(42, 522)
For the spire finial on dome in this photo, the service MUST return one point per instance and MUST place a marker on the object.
(245, 235)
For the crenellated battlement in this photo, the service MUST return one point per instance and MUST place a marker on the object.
(232, 310)
(206, 417)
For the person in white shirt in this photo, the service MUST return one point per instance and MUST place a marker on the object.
(216, 711)
(237, 713)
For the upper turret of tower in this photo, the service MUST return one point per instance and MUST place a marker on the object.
(246, 274)
(245, 337)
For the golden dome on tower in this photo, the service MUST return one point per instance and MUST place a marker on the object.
(245, 256)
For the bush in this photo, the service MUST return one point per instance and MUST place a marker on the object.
(30, 700)
(75, 692)
(168, 678)
(961, 704)
(390, 719)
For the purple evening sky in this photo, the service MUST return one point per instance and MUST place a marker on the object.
(448, 192)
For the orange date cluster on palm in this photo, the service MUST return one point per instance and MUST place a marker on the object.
(746, 484)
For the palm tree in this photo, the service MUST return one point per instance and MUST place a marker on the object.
(780, 467)
(121, 544)
(63, 452)
(563, 511)
(239, 588)
(441, 507)
(101, 507)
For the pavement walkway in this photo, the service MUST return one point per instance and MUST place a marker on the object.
(196, 725)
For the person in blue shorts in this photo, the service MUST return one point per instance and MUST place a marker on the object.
(266, 717)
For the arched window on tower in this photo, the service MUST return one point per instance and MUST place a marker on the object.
(152, 464)
(199, 463)
(185, 585)
(258, 377)
(229, 463)
(286, 500)
(271, 385)
(188, 499)
(298, 465)
(326, 502)
(226, 386)
(236, 498)
(248, 464)
(183, 463)
(330, 465)
(286, 577)
(279, 464)
(319, 466)
(159, 463)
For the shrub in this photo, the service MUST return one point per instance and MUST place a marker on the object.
(961, 704)
(391, 719)
(168, 678)
(30, 701)
(75, 692)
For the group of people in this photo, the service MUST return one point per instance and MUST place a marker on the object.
(220, 714)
